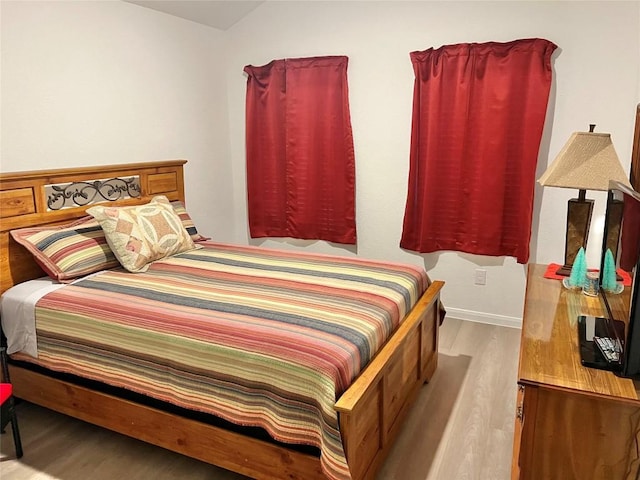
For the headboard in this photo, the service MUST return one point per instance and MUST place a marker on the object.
(43, 197)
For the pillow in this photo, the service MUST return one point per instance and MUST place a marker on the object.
(181, 211)
(141, 234)
(68, 251)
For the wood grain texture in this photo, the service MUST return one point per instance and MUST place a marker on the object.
(372, 410)
(211, 444)
(549, 346)
(18, 201)
(577, 422)
(588, 437)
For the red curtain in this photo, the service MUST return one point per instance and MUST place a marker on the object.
(300, 158)
(478, 115)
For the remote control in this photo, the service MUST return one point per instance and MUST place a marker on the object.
(608, 349)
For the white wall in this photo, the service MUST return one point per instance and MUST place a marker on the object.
(595, 81)
(91, 83)
(87, 83)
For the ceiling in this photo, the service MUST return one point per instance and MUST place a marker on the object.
(218, 14)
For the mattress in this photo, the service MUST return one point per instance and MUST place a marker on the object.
(18, 314)
(255, 336)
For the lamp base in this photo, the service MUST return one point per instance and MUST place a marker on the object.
(578, 219)
(612, 229)
(565, 270)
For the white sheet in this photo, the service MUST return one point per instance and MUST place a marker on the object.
(18, 309)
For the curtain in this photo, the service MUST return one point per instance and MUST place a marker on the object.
(300, 157)
(478, 116)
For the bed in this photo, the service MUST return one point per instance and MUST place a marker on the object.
(368, 412)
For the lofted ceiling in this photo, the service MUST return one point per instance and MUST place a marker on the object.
(215, 13)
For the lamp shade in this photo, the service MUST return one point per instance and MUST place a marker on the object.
(587, 162)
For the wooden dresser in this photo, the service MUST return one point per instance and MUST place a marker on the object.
(572, 422)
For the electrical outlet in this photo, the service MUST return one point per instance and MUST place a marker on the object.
(480, 277)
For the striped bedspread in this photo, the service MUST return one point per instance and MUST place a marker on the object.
(258, 337)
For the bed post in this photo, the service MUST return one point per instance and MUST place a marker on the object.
(372, 410)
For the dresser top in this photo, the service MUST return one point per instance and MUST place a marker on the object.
(549, 349)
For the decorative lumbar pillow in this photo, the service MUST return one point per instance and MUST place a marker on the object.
(181, 211)
(68, 251)
(142, 234)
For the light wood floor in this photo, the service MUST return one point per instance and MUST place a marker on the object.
(470, 404)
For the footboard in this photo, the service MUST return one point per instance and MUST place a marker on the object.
(372, 410)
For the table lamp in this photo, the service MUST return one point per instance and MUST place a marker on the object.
(586, 162)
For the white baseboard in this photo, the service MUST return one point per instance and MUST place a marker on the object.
(472, 316)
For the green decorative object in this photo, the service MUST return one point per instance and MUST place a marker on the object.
(609, 276)
(609, 272)
(578, 271)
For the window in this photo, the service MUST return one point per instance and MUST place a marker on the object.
(478, 116)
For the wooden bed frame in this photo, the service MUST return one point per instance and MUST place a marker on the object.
(370, 411)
